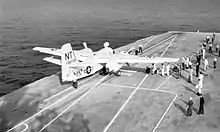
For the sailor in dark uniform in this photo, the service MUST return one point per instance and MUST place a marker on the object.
(214, 62)
(136, 52)
(190, 105)
(213, 37)
(197, 69)
(201, 105)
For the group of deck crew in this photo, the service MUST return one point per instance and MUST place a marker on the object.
(186, 64)
(201, 55)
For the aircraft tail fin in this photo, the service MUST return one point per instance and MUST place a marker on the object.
(68, 57)
(68, 54)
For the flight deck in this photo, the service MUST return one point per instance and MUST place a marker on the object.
(134, 101)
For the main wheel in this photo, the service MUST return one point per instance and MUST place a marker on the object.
(107, 71)
(75, 85)
(101, 72)
(147, 70)
(118, 73)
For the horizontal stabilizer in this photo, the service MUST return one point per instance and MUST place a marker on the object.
(52, 60)
(52, 51)
(85, 63)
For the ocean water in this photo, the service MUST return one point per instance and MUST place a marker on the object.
(25, 24)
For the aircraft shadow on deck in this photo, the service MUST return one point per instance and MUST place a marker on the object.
(131, 68)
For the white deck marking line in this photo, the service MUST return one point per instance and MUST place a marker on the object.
(67, 89)
(132, 71)
(152, 37)
(159, 87)
(156, 90)
(117, 85)
(23, 122)
(141, 88)
(150, 40)
(168, 107)
(123, 106)
(107, 127)
(163, 82)
(26, 127)
(164, 113)
(159, 43)
(169, 45)
(72, 104)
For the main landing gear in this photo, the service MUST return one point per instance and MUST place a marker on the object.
(105, 71)
(75, 84)
(148, 70)
(118, 73)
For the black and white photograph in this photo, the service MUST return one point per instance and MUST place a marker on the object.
(109, 66)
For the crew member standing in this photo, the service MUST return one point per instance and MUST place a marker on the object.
(168, 69)
(204, 45)
(214, 62)
(207, 39)
(213, 39)
(199, 87)
(190, 105)
(213, 36)
(187, 62)
(201, 76)
(201, 105)
(140, 48)
(203, 53)
(183, 63)
(154, 70)
(206, 63)
(190, 75)
(210, 48)
(136, 52)
(179, 71)
(162, 69)
(197, 69)
(219, 53)
(190, 64)
(217, 48)
(198, 58)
